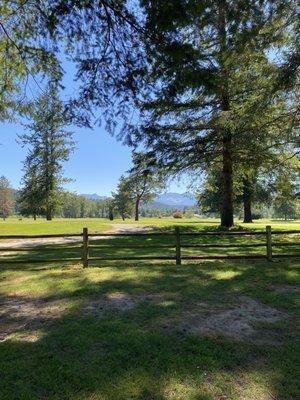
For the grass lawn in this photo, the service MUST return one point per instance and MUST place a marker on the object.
(147, 244)
(150, 331)
(215, 330)
(27, 226)
(213, 223)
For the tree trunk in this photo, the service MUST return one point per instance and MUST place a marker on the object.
(247, 211)
(247, 200)
(34, 217)
(123, 217)
(48, 214)
(227, 190)
(137, 204)
(227, 185)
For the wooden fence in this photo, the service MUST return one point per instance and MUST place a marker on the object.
(85, 247)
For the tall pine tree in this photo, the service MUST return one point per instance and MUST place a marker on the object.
(50, 145)
(211, 78)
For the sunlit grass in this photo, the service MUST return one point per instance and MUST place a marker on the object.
(27, 226)
(64, 354)
(129, 355)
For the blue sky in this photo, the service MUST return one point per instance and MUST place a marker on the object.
(97, 162)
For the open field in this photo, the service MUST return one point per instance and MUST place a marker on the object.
(140, 331)
(146, 244)
(12, 226)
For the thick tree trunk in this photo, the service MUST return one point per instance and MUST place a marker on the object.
(227, 181)
(247, 200)
(34, 217)
(136, 213)
(227, 190)
(123, 217)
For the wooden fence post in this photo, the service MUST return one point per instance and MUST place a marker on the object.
(85, 248)
(269, 242)
(178, 248)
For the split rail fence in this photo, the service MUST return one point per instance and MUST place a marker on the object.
(178, 245)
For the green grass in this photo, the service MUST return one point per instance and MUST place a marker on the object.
(163, 225)
(130, 354)
(55, 350)
(26, 226)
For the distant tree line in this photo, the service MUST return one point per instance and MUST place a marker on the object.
(281, 199)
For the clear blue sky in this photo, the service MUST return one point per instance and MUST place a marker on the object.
(96, 164)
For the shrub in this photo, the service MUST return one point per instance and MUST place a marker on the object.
(177, 214)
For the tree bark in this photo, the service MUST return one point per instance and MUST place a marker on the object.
(227, 185)
(137, 205)
(247, 200)
(48, 214)
(247, 211)
(227, 180)
(34, 217)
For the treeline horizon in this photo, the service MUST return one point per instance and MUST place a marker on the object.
(74, 205)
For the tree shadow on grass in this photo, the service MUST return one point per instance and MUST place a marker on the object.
(129, 354)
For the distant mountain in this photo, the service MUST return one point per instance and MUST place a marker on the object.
(176, 200)
(94, 196)
(165, 200)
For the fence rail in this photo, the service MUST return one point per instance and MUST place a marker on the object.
(85, 247)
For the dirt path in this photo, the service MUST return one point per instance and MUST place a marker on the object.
(117, 228)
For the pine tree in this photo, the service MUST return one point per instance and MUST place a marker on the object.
(6, 198)
(122, 198)
(26, 54)
(30, 199)
(143, 182)
(50, 145)
(211, 96)
(286, 201)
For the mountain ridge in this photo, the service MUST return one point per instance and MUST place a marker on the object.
(168, 199)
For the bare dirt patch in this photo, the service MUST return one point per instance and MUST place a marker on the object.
(238, 321)
(26, 313)
(118, 302)
(111, 303)
(285, 289)
(236, 318)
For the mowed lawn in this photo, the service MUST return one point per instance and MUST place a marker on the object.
(27, 226)
(208, 330)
